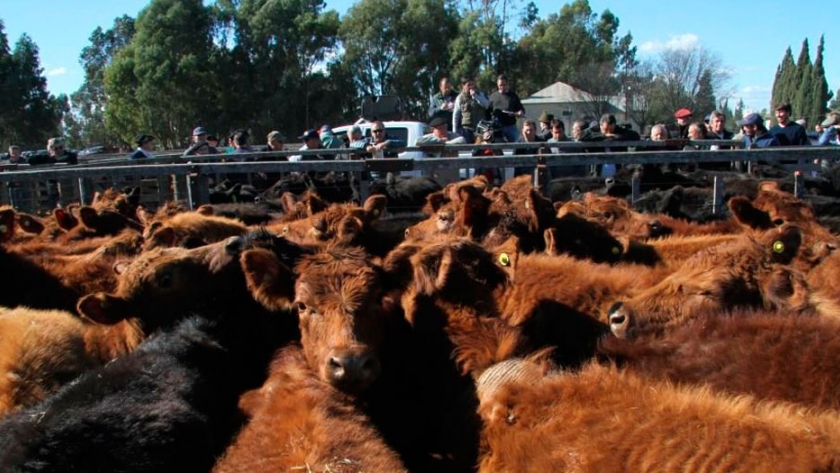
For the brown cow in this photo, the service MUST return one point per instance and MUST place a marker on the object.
(769, 355)
(191, 229)
(347, 224)
(602, 419)
(299, 422)
(748, 272)
(41, 350)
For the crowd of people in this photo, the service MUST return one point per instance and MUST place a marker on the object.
(471, 116)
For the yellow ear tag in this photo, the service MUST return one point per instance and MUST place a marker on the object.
(504, 259)
(4, 229)
(616, 250)
(778, 247)
(375, 212)
(26, 223)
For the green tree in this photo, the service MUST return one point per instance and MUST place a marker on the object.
(704, 99)
(580, 48)
(162, 81)
(85, 125)
(398, 47)
(816, 108)
(29, 114)
(802, 80)
(784, 88)
(271, 55)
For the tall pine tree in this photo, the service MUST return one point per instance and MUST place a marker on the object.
(820, 94)
(783, 85)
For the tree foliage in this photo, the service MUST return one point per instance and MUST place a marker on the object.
(803, 83)
(29, 114)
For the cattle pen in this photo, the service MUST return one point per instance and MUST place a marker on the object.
(188, 180)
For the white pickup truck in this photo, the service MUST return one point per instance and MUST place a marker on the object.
(408, 131)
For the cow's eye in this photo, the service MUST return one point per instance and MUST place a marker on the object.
(164, 281)
(778, 222)
(301, 307)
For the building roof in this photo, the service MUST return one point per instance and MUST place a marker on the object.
(558, 92)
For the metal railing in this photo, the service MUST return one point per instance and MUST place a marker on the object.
(188, 179)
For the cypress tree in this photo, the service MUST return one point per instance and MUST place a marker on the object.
(802, 79)
(783, 86)
(820, 94)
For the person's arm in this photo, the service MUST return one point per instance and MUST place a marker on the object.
(517, 106)
(394, 143)
(827, 137)
(802, 137)
(456, 116)
(482, 99)
(359, 144)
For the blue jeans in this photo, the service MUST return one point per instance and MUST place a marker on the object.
(511, 133)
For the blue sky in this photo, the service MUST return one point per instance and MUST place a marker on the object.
(749, 40)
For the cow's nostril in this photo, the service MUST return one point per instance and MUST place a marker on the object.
(336, 367)
(617, 319)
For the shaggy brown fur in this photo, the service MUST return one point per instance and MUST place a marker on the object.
(671, 251)
(300, 422)
(616, 215)
(41, 350)
(748, 272)
(579, 285)
(769, 355)
(189, 227)
(601, 419)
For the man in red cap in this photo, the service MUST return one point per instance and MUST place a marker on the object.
(683, 117)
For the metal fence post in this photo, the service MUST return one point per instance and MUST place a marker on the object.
(717, 196)
(798, 184)
(635, 189)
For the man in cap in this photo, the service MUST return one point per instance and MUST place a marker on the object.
(199, 134)
(788, 133)
(828, 136)
(311, 140)
(545, 126)
(145, 146)
(683, 118)
(440, 134)
(200, 145)
(755, 133)
(275, 141)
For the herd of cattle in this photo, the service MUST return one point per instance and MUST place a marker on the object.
(501, 332)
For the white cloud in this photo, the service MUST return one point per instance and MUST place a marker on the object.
(58, 71)
(679, 42)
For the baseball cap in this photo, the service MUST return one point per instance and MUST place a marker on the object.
(751, 119)
(831, 120)
(199, 131)
(142, 139)
(309, 135)
(683, 113)
(276, 135)
(437, 121)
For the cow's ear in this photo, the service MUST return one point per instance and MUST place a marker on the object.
(397, 265)
(431, 270)
(7, 224)
(785, 245)
(205, 209)
(270, 282)
(771, 186)
(375, 206)
(250, 401)
(507, 256)
(785, 290)
(748, 215)
(474, 208)
(120, 266)
(434, 202)
(65, 219)
(550, 237)
(314, 204)
(144, 216)
(288, 201)
(164, 236)
(103, 308)
(88, 216)
(29, 224)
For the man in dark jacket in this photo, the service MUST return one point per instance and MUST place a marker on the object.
(507, 108)
(145, 146)
(788, 133)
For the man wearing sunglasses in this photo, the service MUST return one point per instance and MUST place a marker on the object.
(379, 144)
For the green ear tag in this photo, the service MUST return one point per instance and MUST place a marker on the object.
(504, 259)
(778, 247)
(4, 228)
(616, 250)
